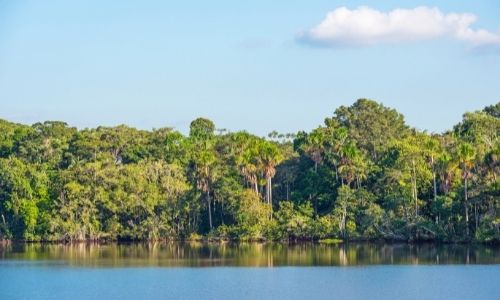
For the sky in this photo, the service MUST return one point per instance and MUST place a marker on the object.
(256, 65)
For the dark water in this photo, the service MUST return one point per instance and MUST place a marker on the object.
(249, 271)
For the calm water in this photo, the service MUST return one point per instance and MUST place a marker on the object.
(248, 271)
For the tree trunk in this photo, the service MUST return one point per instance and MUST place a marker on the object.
(3, 221)
(344, 220)
(435, 185)
(269, 193)
(434, 181)
(414, 188)
(476, 217)
(209, 211)
(466, 204)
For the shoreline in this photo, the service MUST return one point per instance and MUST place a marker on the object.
(225, 241)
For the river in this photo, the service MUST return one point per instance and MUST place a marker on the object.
(249, 271)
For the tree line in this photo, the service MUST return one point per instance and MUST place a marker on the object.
(364, 174)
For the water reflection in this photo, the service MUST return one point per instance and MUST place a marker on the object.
(245, 254)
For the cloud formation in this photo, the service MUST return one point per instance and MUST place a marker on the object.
(365, 26)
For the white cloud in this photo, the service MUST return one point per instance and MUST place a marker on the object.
(365, 26)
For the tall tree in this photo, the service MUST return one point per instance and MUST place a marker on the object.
(371, 125)
(204, 158)
(269, 156)
(465, 156)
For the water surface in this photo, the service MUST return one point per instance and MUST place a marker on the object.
(248, 271)
(246, 254)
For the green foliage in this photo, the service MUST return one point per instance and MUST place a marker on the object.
(293, 222)
(364, 174)
(371, 125)
(330, 241)
(201, 128)
(251, 216)
(23, 192)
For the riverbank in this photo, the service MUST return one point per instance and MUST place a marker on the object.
(215, 241)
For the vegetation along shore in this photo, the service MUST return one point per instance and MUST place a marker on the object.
(364, 174)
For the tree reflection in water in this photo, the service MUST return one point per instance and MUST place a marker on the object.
(196, 254)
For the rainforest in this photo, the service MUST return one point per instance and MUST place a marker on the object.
(363, 175)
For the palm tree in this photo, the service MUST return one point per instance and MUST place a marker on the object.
(349, 156)
(336, 144)
(247, 163)
(269, 156)
(314, 147)
(446, 167)
(466, 155)
(204, 170)
(432, 152)
(244, 151)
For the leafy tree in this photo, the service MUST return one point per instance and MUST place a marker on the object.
(204, 159)
(251, 216)
(493, 110)
(363, 174)
(201, 128)
(23, 193)
(371, 125)
(465, 156)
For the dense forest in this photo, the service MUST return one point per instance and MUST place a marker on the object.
(363, 174)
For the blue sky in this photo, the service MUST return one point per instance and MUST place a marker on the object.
(243, 64)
